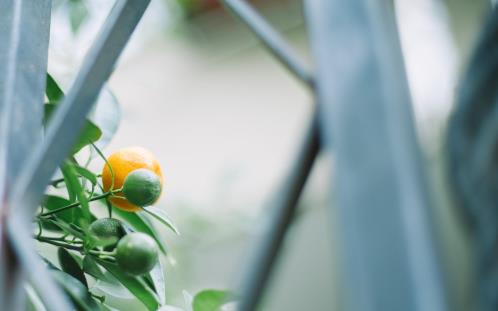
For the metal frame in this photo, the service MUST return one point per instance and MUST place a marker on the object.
(62, 132)
(382, 198)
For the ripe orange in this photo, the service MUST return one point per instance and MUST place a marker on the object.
(123, 162)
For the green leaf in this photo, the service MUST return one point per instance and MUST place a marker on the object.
(34, 301)
(53, 91)
(70, 184)
(92, 268)
(136, 286)
(78, 13)
(83, 172)
(140, 224)
(106, 114)
(68, 228)
(76, 291)
(162, 216)
(70, 266)
(73, 183)
(211, 300)
(157, 276)
(89, 134)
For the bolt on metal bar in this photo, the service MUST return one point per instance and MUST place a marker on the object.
(276, 224)
(388, 253)
(271, 39)
(24, 32)
(61, 134)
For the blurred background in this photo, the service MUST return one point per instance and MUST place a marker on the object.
(224, 119)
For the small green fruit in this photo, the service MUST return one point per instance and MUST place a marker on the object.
(106, 231)
(142, 187)
(136, 253)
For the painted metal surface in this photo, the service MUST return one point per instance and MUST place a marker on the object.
(388, 253)
(270, 238)
(64, 129)
(24, 33)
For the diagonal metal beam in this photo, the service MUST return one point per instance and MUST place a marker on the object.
(62, 133)
(272, 40)
(283, 206)
(272, 234)
(388, 244)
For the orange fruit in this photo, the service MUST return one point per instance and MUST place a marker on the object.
(123, 162)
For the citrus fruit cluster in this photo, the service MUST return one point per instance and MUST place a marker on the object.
(135, 176)
(137, 173)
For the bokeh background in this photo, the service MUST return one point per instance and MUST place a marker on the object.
(224, 119)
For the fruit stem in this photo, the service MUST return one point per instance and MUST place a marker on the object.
(57, 243)
(76, 204)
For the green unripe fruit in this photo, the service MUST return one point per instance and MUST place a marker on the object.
(136, 253)
(106, 231)
(142, 187)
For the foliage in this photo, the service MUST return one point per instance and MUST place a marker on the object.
(69, 220)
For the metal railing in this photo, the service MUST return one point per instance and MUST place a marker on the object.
(362, 109)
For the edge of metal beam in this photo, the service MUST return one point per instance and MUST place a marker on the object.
(61, 134)
(388, 245)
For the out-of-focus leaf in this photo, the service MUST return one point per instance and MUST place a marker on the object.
(68, 228)
(157, 276)
(108, 308)
(106, 114)
(162, 216)
(52, 202)
(70, 266)
(52, 90)
(169, 308)
(133, 284)
(34, 300)
(90, 133)
(73, 182)
(188, 299)
(138, 223)
(211, 300)
(92, 268)
(78, 12)
(76, 291)
(91, 177)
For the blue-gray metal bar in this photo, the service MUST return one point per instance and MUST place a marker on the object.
(24, 33)
(269, 241)
(63, 131)
(283, 206)
(271, 39)
(388, 252)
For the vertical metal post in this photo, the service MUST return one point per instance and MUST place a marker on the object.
(24, 33)
(387, 240)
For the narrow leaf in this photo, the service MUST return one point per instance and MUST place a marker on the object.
(162, 216)
(69, 171)
(91, 177)
(134, 285)
(211, 300)
(70, 266)
(157, 276)
(53, 91)
(77, 292)
(140, 224)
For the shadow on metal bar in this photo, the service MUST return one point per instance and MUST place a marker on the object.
(266, 250)
(388, 254)
(60, 136)
(24, 33)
